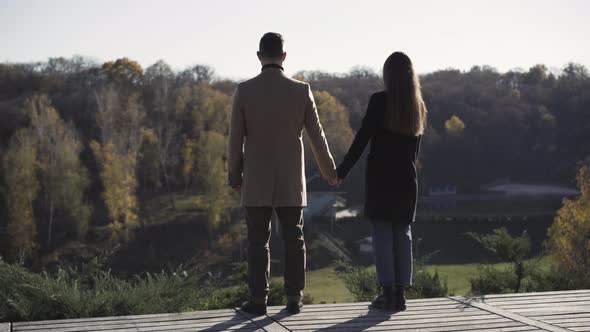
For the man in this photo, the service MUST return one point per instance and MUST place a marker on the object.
(266, 163)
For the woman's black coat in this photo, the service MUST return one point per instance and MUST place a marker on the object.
(391, 184)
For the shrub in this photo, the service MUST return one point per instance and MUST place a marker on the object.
(426, 284)
(92, 293)
(558, 279)
(307, 299)
(492, 281)
(362, 282)
(509, 249)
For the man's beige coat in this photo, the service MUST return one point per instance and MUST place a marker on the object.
(265, 152)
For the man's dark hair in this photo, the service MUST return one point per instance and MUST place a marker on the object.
(271, 45)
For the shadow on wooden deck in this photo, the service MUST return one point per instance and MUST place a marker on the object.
(544, 311)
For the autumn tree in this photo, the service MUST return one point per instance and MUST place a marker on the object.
(62, 177)
(117, 154)
(164, 121)
(197, 74)
(188, 160)
(203, 149)
(216, 197)
(569, 236)
(124, 71)
(335, 121)
(454, 126)
(206, 110)
(20, 177)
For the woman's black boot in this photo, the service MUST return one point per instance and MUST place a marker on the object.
(400, 298)
(385, 300)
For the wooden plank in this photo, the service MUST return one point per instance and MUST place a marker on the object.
(532, 294)
(538, 300)
(5, 327)
(495, 329)
(358, 312)
(264, 322)
(561, 316)
(511, 315)
(577, 308)
(221, 323)
(137, 323)
(447, 304)
(580, 329)
(427, 328)
(533, 312)
(211, 326)
(400, 316)
(166, 316)
(554, 303)
(407, 324)
(571, 319)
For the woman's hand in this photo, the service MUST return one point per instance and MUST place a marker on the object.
(334, 180)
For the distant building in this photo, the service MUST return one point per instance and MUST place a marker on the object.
(498, 192)
(444, 190)
(323, 204)
(440, 197)
(537, 190)
(366, 249)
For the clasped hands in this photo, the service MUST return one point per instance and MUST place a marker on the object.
(334, 180)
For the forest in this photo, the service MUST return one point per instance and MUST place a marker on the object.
(85, 146)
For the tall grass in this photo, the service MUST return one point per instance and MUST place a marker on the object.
(73, 294)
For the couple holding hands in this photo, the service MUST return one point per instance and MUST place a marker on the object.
(266, 164)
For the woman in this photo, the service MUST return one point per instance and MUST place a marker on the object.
(394, 124)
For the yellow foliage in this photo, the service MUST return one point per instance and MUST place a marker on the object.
(336, 123)
(569, 236)
(188, 158)
(117, 172)
(211, 165)
(454, 125)
(20, 168)
(211, 110)
(123, 70)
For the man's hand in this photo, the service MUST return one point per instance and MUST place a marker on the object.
(334, 180)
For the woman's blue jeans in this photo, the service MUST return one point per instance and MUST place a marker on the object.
(392, 243)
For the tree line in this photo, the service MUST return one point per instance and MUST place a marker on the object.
(86, 144)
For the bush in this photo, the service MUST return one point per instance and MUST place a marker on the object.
(492, 281)
(29, 296)
(307, 299)
(73, 294)
(509, 249)
(426, 284)
(362, 282)
(558, 279)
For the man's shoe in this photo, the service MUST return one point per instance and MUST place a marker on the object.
(385, 300)
(252, 308)
(294, 307)
(400, 298)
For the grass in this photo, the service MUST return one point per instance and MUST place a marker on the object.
(325, 286)
(458, 274)
(159, 210)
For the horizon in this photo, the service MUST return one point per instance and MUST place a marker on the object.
(325, 36)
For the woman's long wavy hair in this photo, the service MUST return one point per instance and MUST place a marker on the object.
(406, 111)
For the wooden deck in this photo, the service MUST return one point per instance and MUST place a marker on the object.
(546, 311)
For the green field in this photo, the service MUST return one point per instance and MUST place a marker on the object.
(324, 285)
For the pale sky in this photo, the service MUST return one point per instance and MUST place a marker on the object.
(329, 35)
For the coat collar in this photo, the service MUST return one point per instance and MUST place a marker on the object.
(272, 65)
